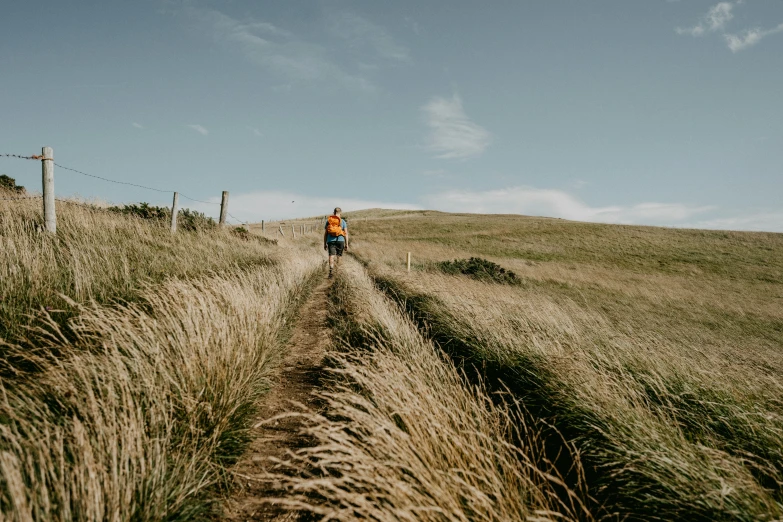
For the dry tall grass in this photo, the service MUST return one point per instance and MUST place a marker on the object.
(139, 412)
(98, 255)
(405, 438)
(131, 410)
(656, 351)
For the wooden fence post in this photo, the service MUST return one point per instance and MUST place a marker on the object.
(293, 231)
(223, 207)
(263, 228)
(47, 175)
(174, 210)
(281, 231)
(409, 261)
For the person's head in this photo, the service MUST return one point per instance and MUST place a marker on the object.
(337, 211)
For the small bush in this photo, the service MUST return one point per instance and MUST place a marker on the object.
(8, 183)
(245, 235)
(241, 233)
(194, 221)
(481, 269)
(189, 220)
(143, 211)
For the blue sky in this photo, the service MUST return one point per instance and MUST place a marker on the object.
(657, 112)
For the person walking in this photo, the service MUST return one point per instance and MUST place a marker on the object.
(335, 238)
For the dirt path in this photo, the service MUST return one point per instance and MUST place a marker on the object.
(297, 378)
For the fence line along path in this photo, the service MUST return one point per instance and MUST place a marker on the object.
(47, 184)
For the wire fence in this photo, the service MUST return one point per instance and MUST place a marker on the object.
(228, 216)
(35, 157)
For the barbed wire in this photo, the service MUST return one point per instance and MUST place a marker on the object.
(60, 200)
(20, 198)
(198, 200)
(111, 180)
(136, 185)
(237, 219)
(79, 203)
(20, 156)
(35, 157)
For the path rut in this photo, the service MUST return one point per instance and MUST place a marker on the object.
(296, 379)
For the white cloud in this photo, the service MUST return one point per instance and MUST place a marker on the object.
(716, 19)
(137, 125)
(360, 32)
(198, 128)
(271, 205)
(453, 135)
(556, 203)
(749, 37)
(760, 222)
(278, 50)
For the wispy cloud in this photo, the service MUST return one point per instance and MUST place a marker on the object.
(360, 33)
(278, 50)
(716, 19)
(556, 203)
(453, 135)
(254, 130)
(137, 125)
(759, 222)
(272, 205)
(198, 128)
(255, 206)
(749, 38)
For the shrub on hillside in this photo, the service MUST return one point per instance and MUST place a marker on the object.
(241, 233)
(9, 184)
(143, 211)
(192, 220)
(187, 219)
(245, 235)
(481, 269)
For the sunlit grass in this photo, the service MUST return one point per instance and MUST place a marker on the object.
(133, 409)
(98, 255)
(404, 437)
(656, 351)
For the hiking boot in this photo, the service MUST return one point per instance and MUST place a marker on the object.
(330, 273)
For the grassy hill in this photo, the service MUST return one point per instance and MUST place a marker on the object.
(656, 351)
(525, 368)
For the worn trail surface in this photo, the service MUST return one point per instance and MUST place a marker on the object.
(296, 380)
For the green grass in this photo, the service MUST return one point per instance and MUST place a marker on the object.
(748, 256)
